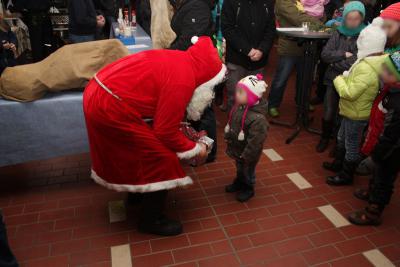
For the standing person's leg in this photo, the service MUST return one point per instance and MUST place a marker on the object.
(321, 86)
(7, 258)
(152, 219)
(337, 164)
(353, 136)
(380, 191)
(279, 82)
(237, 184)
(208, 123)
(35, 36)
(249, 180)
(235, 73)
(328, 121)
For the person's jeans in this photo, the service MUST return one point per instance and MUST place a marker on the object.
(350, 137)
(235, 74)
(7, 258)
(81, 38)
(382, 185)
(285, 67)
(246, 173)
(208, 123)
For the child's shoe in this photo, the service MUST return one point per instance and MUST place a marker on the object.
(245, 194)
(370, 216)
(234, 187)
(344, 177)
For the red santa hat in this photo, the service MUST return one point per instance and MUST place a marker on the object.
(208, 72)
(392, 12)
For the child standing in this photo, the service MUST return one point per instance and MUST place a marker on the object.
(340, 53)
(245, 134)
(383, 145)
(357, 89)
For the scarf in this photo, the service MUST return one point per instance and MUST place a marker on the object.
(350, 32)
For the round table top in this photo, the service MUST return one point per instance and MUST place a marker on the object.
(305, 35)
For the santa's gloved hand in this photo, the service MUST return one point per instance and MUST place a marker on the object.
(366, 167)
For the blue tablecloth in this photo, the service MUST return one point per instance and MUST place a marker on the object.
(50, 127)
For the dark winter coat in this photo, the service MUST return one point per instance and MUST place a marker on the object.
(255, 132)
(248, 24)
(191, 18)
(82, 17)
(334, 54)
(389, 139)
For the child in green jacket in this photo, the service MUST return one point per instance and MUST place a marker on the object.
(357, 89)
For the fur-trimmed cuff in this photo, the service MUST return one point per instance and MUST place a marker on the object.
(190, 153)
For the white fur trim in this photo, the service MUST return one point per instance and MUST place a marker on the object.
(203, 96)
(152, 187)
(190, 153)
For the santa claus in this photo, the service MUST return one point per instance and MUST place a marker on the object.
(128, 153)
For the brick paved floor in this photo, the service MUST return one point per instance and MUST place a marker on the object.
(57, 217)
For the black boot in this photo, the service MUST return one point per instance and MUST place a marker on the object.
(327, 128)
(245, 194)
(7, 258)
(234, 187)
(152, 220)
(337, 164)
(345, 177)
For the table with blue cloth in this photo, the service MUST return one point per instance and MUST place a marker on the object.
(51, 127)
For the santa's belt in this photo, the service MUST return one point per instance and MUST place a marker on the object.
(147, 120)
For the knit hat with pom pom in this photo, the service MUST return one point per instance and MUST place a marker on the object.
(255, 87)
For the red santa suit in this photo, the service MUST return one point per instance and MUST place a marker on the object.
(129, 154)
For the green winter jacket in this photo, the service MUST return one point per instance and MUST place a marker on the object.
(255, 131)
(358, 91)
(288, 15)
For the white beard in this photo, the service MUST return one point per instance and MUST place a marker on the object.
(203, 96)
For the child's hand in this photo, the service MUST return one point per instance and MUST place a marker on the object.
(6, 45)
(101, 21)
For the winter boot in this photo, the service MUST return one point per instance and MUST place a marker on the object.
(371, 215)
(337, 164)
(234, 187)
(161, 226)
(344, 177)
(245, 194)
(327, 127)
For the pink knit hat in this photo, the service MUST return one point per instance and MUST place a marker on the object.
(254, 86)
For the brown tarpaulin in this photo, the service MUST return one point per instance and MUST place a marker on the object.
(70, 67)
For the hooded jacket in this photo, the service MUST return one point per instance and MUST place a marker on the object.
(358, 90)
(255, 132)
(191, 18)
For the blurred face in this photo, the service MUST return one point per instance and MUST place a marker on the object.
(391, 27)
(387, 76)
(353, 19)
(241, 96)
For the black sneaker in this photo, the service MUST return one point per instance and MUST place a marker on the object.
(245, 195)
(162, 226)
